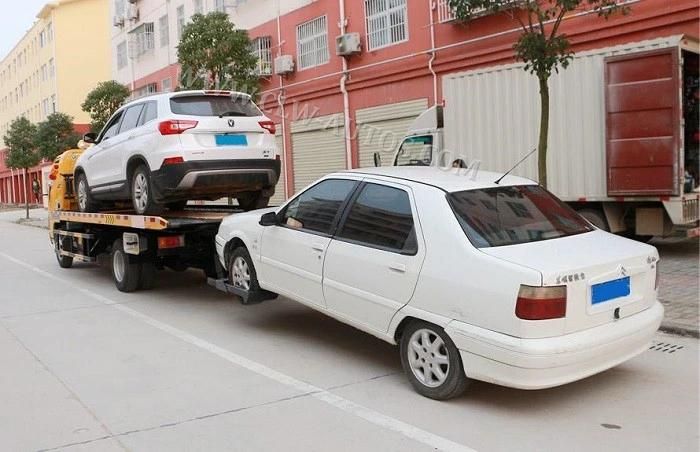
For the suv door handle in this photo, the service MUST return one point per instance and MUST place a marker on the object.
(399, 268)
(318, 247)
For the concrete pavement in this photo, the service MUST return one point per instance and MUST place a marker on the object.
(184, 367)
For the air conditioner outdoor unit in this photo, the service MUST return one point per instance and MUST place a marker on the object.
(284, 65)
(348, 44)
(118, 21)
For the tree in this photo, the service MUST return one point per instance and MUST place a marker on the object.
(541, 46)
(213, 54)
(20, 140)
(55, 135)
(103, 101)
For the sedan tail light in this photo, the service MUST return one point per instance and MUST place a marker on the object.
(176, 126)
(269, 126)
(541, 303)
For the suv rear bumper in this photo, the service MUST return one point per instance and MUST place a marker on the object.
(213, 179)
(548, 362)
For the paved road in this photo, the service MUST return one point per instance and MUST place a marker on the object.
(183, 367)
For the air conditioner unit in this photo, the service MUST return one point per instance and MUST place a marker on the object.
(348, 44)
(132, 12)
(284, 65)
(119, 21)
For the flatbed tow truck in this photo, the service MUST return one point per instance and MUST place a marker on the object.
(137, 245)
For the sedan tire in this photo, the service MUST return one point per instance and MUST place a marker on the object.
(432, 362)
(241, 273)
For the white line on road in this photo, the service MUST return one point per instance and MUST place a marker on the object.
(372, 416)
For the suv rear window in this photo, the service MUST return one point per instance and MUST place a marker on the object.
(510, 215)
(207, 105)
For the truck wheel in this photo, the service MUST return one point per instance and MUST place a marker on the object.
(432, 362)
(142, 193)
(127, 276)
(252, 201)
(147, 278)
(64, 261)
(596, 218)
(82, 190)
(241, 272)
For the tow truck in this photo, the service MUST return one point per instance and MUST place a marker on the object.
(137, 245)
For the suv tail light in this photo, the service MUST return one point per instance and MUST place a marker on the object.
(269, 126)
(541, 303)
(176, 126)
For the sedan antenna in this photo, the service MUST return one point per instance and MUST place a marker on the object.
(515, 166)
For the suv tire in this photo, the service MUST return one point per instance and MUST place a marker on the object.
(142, 192)
(82, 192)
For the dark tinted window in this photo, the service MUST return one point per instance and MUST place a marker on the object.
(511, 215)
(381, 216)
(150, 112)
(316, 208)
(131, 118)
(112, 127)
(203, 105)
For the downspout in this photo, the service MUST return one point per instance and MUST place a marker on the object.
(280, 102)
(433, 53)
(344, 91)
(12, 185)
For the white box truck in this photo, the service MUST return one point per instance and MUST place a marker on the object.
(623, 136)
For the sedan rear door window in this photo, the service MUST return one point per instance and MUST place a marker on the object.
(381, 217)
(511, 215)
(210, 105)
(318, 208)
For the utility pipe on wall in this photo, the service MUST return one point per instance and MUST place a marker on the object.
(280, 102)
(344, 90)
(433, 54)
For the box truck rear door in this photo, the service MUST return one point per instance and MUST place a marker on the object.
(643, 123)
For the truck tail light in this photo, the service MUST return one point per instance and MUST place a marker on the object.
(176, 126)
(171, 241)
(269, 126)
(541, 303)
(172, 161)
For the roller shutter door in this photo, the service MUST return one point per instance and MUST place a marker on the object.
(318, 148)
(381, 129)
(278, 198)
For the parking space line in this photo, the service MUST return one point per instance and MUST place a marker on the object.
(387, 422)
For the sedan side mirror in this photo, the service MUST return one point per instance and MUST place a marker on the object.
(90, 138)
(377, 159)
(269, 219)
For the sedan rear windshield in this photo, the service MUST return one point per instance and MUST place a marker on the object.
(207, 105)
(511, 215)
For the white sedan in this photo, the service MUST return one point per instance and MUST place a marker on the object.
(474, 280)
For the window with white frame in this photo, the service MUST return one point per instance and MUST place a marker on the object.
(42, 38)
(54, 106)
(220, 5)
(142, 39)
(49, 32)
(312, 43)
(180, 21)
(52, 68)
(387, 22)
(447, 14)
(164, 30)
(122, 58)
(147, 90)
(167, 85)
(262, 49)
(199, 6)
(45, 107)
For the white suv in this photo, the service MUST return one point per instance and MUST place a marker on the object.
(164, 150)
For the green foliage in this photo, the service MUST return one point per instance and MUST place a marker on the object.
(103, 101)
(213, 54)
(540, 46)
(20, 140)
(56, 135)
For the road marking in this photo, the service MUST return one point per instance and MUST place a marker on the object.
(368, 414)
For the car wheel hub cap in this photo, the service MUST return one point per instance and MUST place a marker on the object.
(119, 266)
(82, 194)
(141, 192)
(240, 274)
(428, 358)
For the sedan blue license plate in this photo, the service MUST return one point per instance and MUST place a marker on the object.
(610, 290)
(231, 140)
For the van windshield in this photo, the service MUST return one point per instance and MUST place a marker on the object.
(210, 105)
(503, 216)
(415, 151)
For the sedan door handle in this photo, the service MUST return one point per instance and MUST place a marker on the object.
(399, 268)
(318, 247)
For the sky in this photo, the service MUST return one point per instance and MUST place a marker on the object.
(16, 20)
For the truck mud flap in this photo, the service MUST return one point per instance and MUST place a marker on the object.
(222, 285)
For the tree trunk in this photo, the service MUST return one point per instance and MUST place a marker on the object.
(26, 193)
(544, 133)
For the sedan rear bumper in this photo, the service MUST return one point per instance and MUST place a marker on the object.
(213, 179)
(548, 362)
